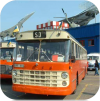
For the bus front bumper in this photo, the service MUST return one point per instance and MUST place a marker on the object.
(5, 76)
(42, 90)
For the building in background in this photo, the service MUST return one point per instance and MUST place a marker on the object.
(88, 36)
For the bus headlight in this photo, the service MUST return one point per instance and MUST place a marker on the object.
(64, 75)
(64, 83)
(14, 80)
(14, 72)
(18, 65)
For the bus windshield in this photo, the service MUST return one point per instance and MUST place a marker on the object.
(44, 51)
(92, 57)
(6, 53)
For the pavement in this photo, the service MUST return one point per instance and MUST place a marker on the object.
(85, 90)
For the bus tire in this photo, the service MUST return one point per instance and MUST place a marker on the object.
(76, 84)
(85, 74)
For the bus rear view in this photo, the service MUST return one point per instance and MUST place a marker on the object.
(7, 52)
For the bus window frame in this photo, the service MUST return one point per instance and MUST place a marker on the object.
(39, 56)
(12, 53)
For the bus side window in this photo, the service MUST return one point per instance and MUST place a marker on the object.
(72, 49)
(81, 54)
(76, 51)
(79, 51)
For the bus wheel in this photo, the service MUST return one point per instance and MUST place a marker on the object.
(76, 84)
(84, 76)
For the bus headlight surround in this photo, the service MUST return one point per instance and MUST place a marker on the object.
(14, 72)
(64, 75)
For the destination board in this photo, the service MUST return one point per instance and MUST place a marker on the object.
(39, 34)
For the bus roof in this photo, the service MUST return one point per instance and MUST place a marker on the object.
(7, 45)
(50, 34)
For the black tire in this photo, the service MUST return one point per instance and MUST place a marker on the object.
(85, 74)
(74, 91)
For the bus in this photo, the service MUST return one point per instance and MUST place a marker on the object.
(48, 62)
(7, 55)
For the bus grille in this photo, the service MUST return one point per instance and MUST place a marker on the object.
(39, 78)
(91, 66)
(2, 69)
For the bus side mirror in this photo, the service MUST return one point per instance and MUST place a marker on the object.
(73, 59)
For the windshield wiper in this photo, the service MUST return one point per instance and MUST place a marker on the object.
(46, 56)
(31, 54)
(38, 53)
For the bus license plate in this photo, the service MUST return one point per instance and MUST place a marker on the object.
(39, 34)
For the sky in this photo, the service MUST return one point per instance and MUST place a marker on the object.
(45, 11)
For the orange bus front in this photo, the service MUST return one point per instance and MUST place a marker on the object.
(46, 67)
(6, 63)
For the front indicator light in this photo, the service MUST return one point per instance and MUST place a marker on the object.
(19, 65)
(64, 83)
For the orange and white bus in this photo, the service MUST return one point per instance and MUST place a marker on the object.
(6, 59)
(49, 62)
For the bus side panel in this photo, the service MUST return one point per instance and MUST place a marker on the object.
(78, 71)
(83, 71)
(75, 67)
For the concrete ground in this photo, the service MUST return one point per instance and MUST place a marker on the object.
(85, 90)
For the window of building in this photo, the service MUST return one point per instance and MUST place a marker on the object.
(51, 27)
(91, 42)
(55, 27)
(82, 42)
